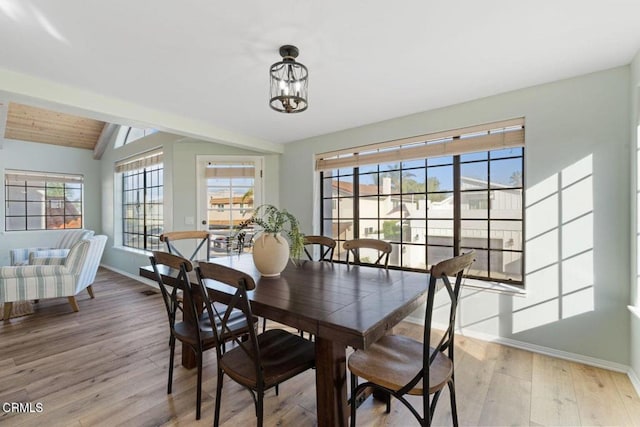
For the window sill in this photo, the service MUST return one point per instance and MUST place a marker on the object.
(497, 287)
(132, 250)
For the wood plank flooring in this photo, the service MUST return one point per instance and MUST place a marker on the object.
(107, 365)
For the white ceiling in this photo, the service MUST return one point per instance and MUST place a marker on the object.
(201, 67)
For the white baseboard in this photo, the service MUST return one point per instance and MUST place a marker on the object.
(132, 276)
(573, 357)
(635, 381)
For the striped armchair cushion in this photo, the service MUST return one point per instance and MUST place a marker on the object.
(67, 239)
(21, 256)
(48, 257)
(35, 282)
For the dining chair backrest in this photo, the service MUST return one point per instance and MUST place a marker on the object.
(240, 283)
(167, 264)
(200, 237)
(443, 271)
(383, 250)
(326, 245)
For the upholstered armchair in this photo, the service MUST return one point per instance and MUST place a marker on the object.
(53, 277)
(67, 239)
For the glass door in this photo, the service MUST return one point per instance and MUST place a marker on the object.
(230, 188)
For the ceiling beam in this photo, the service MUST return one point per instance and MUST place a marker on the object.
(47, 94)
(105, 137)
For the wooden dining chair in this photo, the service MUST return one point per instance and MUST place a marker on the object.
(354, 246)
(199, 237)
(400, 366)
(263, 360)
(326, 244)
(198, 333)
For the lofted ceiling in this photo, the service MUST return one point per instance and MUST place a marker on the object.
(27, 123)
(201, 68)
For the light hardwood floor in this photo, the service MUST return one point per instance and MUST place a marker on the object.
(107, 365)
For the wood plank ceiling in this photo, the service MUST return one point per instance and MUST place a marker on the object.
(27, 123)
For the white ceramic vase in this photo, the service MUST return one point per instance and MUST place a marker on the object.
(270, 254)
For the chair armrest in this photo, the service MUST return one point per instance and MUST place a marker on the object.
(21, 256)
(48, 257)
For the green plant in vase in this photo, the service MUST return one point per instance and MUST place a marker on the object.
(276, 222)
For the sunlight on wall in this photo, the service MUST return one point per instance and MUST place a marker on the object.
(559, 248)
(485, 313)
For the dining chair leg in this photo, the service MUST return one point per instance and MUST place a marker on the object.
(199, 392)
(260, 407)
(172, 348)
(426, 410)
(216, 416)
(454, 409)
(353, 404)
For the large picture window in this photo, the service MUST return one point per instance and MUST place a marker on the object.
(437, 206)
(142, 201)
(42, 200)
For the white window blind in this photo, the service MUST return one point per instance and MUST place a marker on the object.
(230, 170)
(144, 160)
(12, 176)
(503, 134)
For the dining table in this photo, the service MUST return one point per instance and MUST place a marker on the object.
(341, 305)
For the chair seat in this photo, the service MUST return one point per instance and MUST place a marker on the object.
(205, 322)
(186, 332)
(394, 360)
(283, 356)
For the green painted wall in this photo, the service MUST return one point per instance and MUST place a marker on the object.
(634, 90)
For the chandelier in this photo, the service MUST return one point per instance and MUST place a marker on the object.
(289, 81)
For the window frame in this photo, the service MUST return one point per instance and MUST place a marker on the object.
(142, 174)
(478, 147)
(44, 181)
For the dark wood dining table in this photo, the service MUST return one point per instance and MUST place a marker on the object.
(341, 305)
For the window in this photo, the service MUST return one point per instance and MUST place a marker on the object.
(142, 201)
(42, 200)
(464, 192)
(230, 190)
(128, 134)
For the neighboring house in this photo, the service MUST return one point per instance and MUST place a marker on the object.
(222, 203)
(407, 219)
(43, 213)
